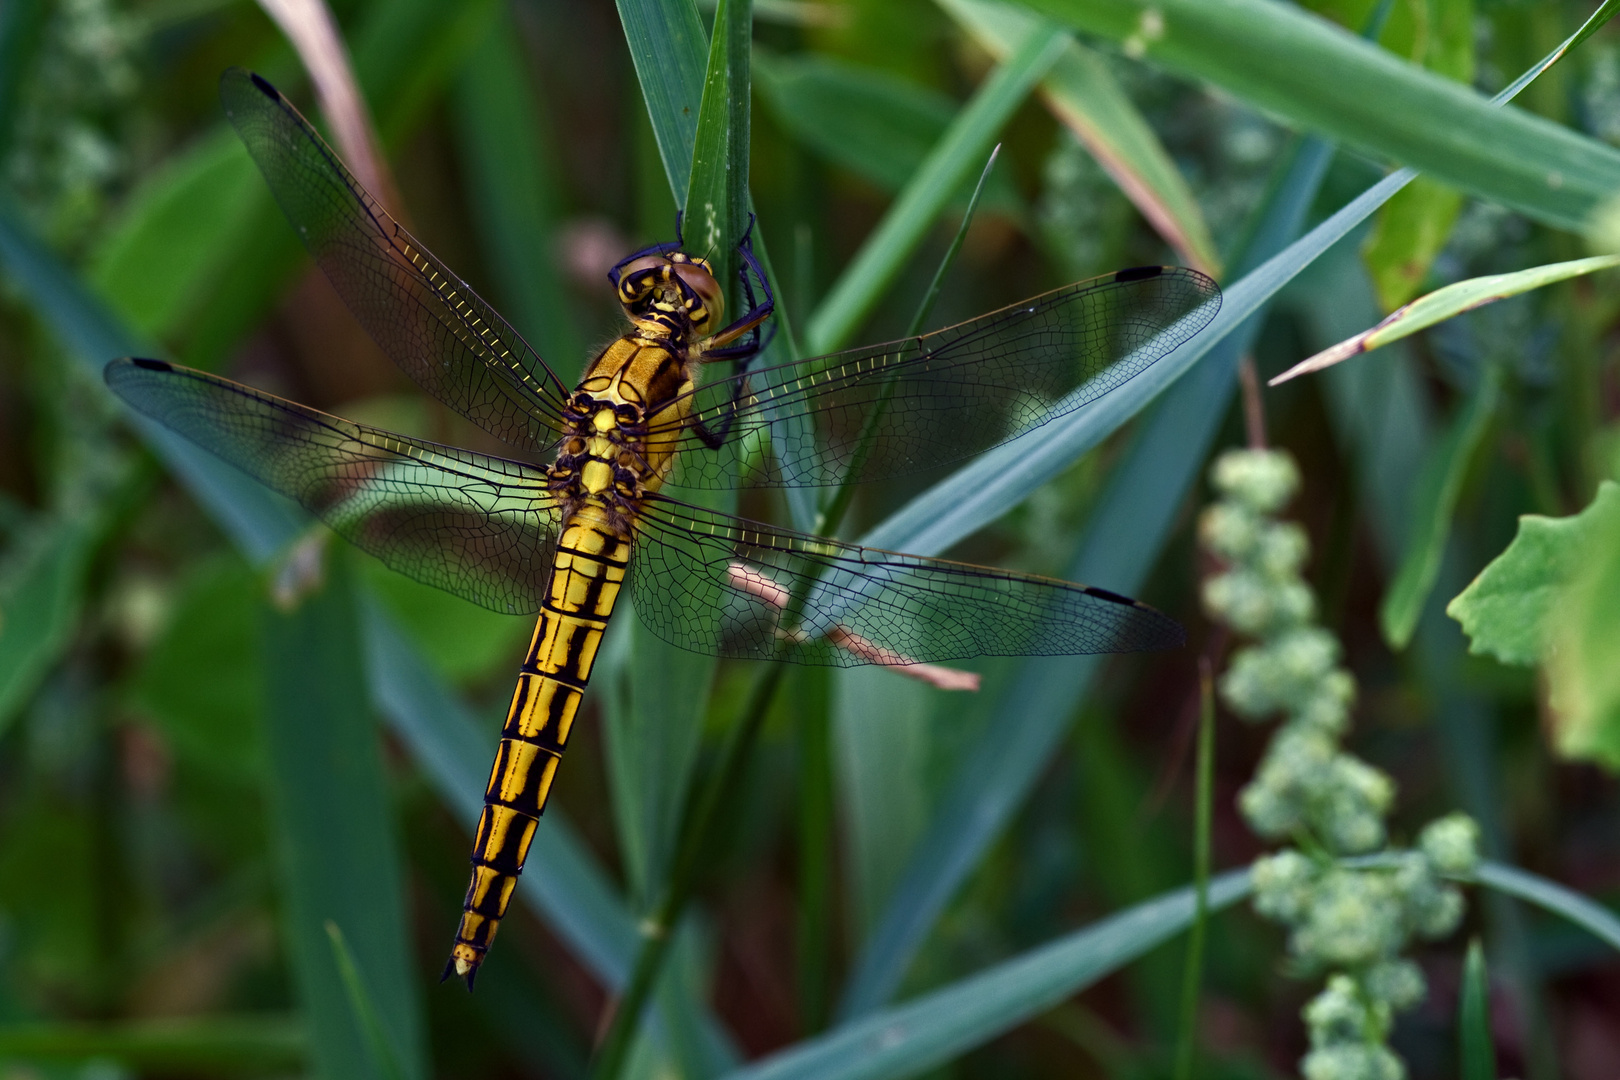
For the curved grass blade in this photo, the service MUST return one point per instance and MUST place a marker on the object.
(1443, 304)
(1273, 55)
(1550, 896)
(1434, 502)
(865, 281)
(1141, 500)
(1084, 95)
(909, 1039)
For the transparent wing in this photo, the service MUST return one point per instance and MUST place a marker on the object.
(434, 327)
(947, 395)
(481, 527)
(718, 584)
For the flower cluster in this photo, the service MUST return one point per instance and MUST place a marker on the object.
(1352, 918)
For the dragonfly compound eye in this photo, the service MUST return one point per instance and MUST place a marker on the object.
(705, 302)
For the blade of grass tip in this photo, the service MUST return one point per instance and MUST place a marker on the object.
(993, 483)
(384, 1058)
(714, 223)
(1446, 303)
(1475, 1046)
(338, 855)
(828, 520)
(1204, 802)
(865, 281)
(1083, 94)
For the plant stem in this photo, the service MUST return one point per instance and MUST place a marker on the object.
(697, 827)
(1187, 1044)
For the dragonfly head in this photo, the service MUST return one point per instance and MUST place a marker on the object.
(672, 285)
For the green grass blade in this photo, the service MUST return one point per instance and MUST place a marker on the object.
(1476, 1047)
(1434, 504)
(334, 832)
(1083, 94)
(513, 190)
(1140, 501)
(1446, 303)
(717, 190)
(192, 1046)
(1552, 897)
(1272, 55)
(863, 284)
(936, 1027)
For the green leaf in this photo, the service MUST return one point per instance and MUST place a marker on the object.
(1082, 92)
(1582, 642)
(1475, 1045)
(338, 855)
(1446, 303)
(510, 162)
(177, 232)
(1273, 56)
(939, 1026)
(1506, 611)
(872, 122)
(865, 281)
(1434, 502)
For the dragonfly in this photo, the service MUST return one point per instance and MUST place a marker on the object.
(586, 507)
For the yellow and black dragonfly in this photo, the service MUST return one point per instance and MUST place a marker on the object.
(583, 512)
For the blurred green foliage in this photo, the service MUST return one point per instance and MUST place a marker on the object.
(168, 853)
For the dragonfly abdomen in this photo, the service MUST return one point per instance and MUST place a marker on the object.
(586, 576)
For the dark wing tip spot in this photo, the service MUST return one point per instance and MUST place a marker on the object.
(1111, 597)
(264, 86)
(151, 365)
(1135, 273)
